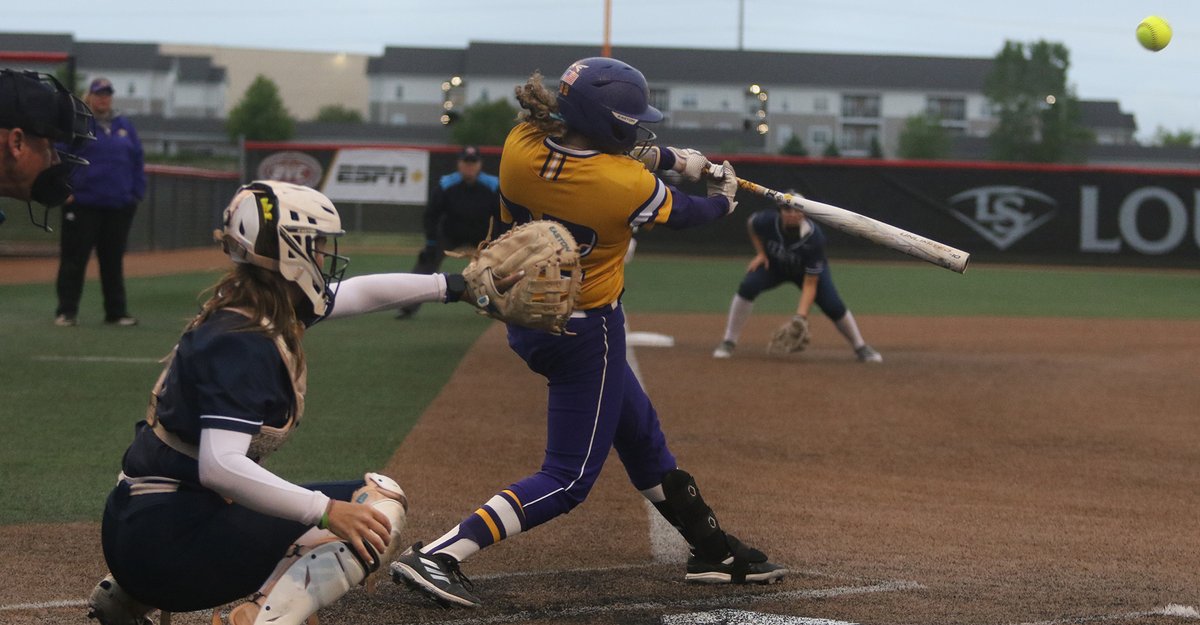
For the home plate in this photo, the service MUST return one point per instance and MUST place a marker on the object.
(650, 339)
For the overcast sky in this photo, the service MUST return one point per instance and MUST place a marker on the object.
(1162, 89)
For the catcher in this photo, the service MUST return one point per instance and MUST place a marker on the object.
(568, 162)
(195, 521)
(789, 247)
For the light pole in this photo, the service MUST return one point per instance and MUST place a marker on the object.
(757, 107)
(451, 91)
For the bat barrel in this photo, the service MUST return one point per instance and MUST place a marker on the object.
(873, 230)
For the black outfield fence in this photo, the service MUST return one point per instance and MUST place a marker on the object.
(999, 212)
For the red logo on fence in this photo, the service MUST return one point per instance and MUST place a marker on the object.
(294, 167)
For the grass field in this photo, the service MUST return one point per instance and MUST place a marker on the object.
(70, 396)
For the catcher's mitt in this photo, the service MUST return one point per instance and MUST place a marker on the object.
(545, 298)
(790, 337)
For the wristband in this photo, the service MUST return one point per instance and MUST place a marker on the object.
(456, 285)
(323, 524)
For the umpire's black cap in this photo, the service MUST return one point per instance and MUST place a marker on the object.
(40, 105)
(469, 154)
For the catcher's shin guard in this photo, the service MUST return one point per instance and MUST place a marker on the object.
(320, 568)
(317, 571)
(111, 605)
(385, 495)
(685, 509)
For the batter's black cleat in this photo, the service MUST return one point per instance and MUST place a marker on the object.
(435, 575)
(744, 565)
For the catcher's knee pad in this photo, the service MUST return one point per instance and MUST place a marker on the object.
(319, 569)
(385, 495)
(111, 605)
(686, 510)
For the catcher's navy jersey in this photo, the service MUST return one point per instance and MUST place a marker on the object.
(788, 251)
(219, 378)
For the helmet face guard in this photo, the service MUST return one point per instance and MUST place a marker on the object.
(291, 230)
(606, 100)
(40, 105)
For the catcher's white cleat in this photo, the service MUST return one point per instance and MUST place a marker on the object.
(724, 350)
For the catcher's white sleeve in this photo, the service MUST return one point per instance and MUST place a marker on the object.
(225, 468)
(382, 291)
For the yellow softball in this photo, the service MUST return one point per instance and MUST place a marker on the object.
(1154, 33)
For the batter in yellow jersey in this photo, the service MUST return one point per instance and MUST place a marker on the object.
(570, 162)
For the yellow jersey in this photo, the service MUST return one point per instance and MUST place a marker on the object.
(599, 197)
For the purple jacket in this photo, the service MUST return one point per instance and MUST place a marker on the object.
(116, 177)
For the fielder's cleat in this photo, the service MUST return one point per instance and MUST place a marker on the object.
(724, 350)
(123, 321)
(867, 354)
(111, 605)
(744, 565)
(435, 575)
(66, 321)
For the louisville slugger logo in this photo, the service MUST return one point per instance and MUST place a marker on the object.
(1003, 214)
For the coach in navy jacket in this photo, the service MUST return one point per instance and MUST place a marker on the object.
(100, 212)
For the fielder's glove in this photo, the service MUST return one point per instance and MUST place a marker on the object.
(545, 297)
(790, 337)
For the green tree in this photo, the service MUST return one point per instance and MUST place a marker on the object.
(924, 137)
(1038, 111)
(337, 113)
(260, 115)
(1184, 138)
(794, 147)
(831, 150)
(484, 123)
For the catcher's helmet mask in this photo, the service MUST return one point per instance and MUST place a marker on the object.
(292, 230)
(607, 101)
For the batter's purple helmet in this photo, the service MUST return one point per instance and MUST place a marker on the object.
(605, 100)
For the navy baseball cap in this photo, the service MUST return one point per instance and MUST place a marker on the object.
(469, 154)
(40, 105)
(101, 85)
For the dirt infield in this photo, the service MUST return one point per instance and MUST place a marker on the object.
(30, 270)
(989, 471)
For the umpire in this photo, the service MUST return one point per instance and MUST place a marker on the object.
(459, 215)
(35, 112)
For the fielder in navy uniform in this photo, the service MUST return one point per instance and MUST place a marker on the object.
(195, 521)
(789, 247)
(459, 215)
(568, 162)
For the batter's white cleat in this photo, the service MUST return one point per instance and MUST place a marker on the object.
(867, 354)
(724, 350)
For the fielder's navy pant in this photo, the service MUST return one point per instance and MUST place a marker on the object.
(763, 279)
(191, 550)
(595, 404)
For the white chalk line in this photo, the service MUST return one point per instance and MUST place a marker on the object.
(44, 605)
(666, 545)
(687, 604)
(1171, 609)
(116, 359)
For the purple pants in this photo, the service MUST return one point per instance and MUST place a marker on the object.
(595, 404)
